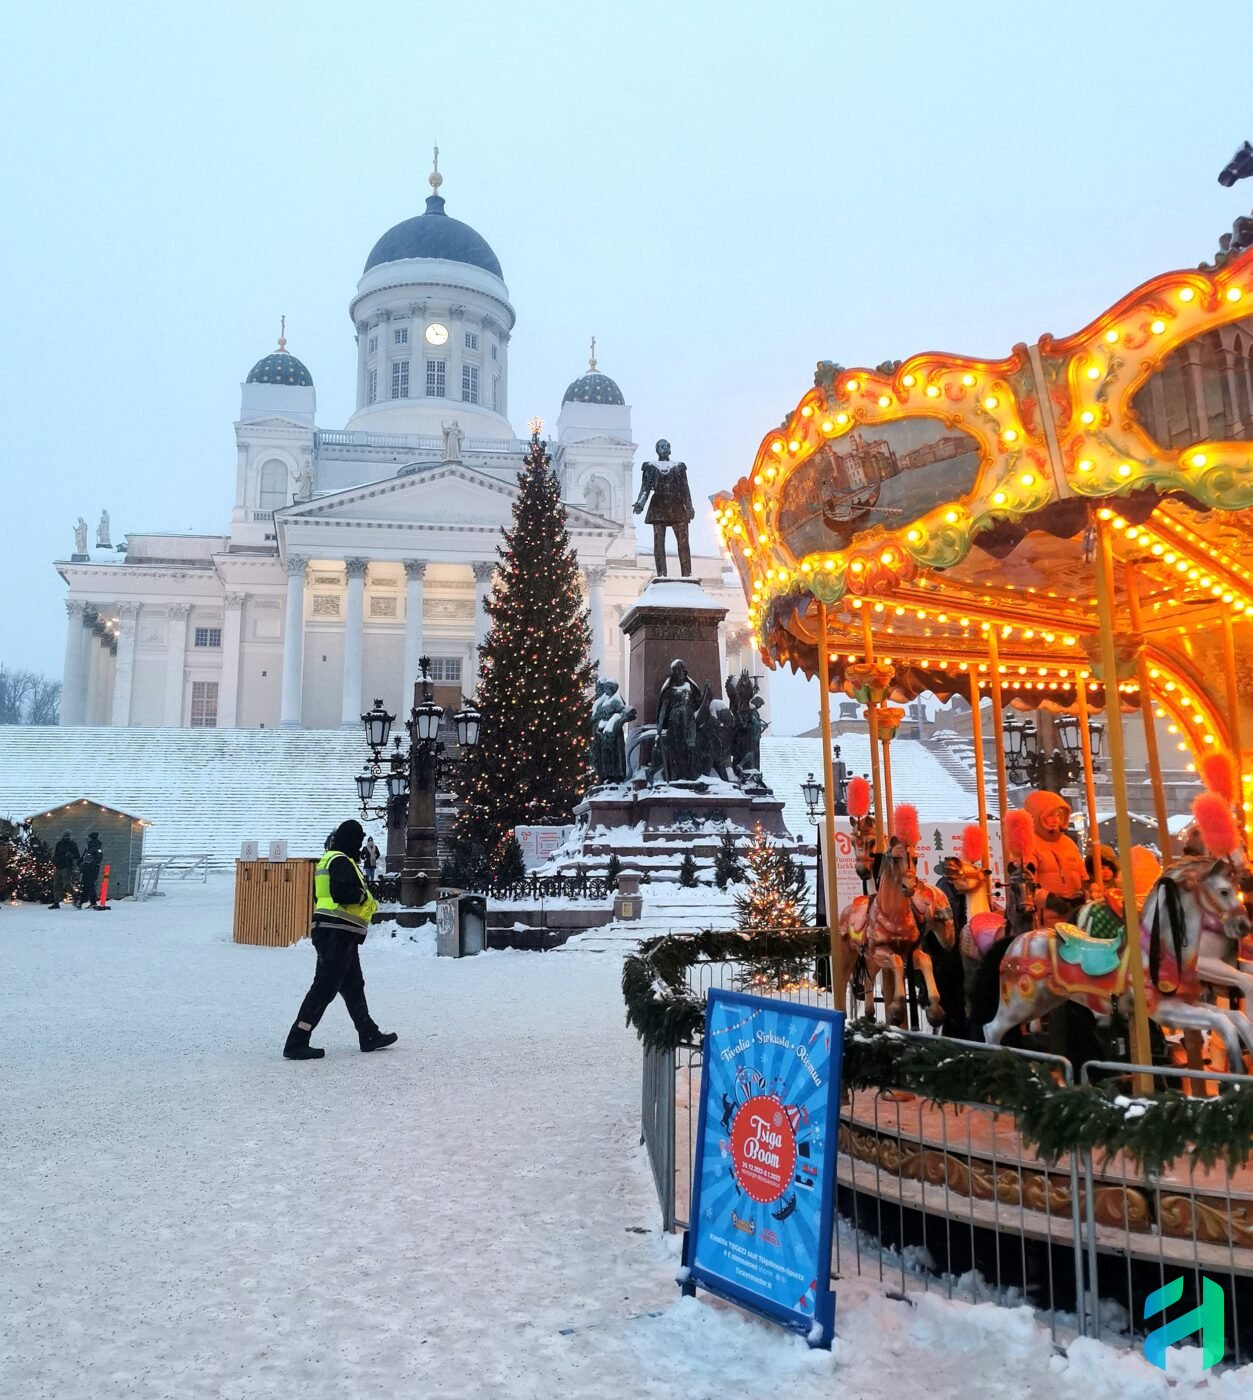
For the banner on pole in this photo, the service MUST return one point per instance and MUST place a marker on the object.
(763, 1183)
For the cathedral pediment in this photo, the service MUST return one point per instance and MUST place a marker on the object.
(441, 495)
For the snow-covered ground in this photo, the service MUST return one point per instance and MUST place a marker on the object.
(184, 1213)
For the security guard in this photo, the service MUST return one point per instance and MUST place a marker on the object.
(341, 920)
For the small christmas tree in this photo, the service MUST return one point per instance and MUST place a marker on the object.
(775, 900)
(25, 864)
(728, 867)
(612, 871)
(530, 765)
(509, 867)
(687, 872)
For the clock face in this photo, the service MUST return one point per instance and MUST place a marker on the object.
(436, 334)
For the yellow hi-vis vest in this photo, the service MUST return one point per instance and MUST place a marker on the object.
(356, 914)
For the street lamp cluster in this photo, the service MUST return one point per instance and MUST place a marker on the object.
(814, 792)
(1031, 760)
(410, 776)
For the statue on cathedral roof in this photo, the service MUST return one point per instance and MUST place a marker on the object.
(102, 532)
(453, 438)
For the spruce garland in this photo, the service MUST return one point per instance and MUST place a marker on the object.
(1054, 1118)
(530, 766)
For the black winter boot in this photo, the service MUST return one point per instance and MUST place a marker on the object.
(298, 1047)
(377, 1039)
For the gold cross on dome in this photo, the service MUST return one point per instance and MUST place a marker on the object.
(591, 362)
(435, 179)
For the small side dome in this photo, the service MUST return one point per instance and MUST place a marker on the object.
(593, 387)
(280, 367)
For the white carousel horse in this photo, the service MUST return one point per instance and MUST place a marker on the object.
(1041, 969)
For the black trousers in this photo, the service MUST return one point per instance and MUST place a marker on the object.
(338, 974)
(91, 879)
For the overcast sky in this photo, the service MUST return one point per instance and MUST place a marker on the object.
(722, 193)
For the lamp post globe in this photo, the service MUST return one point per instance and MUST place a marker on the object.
(365, 785)
(468, 722)
(813, 793)
(378, 726)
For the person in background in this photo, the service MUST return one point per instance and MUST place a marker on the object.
(65, 859)
(341, 919)
(93, 858)
(370, 859)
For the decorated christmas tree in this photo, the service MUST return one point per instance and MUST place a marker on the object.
(25, 864)
(775, 900)
(530, 765)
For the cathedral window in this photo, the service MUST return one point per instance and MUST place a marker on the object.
(472, 340)
(400, 379)
(493, 349)
(208, 637)
(371, 385)
(272, 488)
(446, 670)
(495, 394)
(436, 370)
(372, 345)
(469, 383)
(204, 704)
(401, 337)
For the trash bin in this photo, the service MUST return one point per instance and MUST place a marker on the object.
(460, 925)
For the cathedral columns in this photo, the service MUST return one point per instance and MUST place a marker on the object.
(175, 664)
(74, 672)
(354, 635)
(596, 607)
(124, 676)
(228, 687)
(415, 574)
(483, 573)
(293, 642)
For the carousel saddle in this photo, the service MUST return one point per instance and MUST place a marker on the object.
(985, 929)
(1082, 961)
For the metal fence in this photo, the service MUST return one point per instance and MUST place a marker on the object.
(948, 1198)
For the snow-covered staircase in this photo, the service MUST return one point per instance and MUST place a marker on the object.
(667, 909)
(203, 790)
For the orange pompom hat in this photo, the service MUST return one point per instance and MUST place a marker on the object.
(858, 797)
(974, 849)
(905, 824)
(1217, 825)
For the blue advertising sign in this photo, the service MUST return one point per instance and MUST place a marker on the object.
(763, 1183)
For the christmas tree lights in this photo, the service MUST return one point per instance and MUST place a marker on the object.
(530, 766)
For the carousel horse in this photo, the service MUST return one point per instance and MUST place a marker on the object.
(988, 928)
(1042, 969)
(883, 932)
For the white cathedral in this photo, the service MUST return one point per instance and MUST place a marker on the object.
(351, 552)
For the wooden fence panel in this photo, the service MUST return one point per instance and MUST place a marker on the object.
(273, 901)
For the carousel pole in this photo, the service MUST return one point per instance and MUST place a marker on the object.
(998, 745)
(1140, 1048)
(1146, 710)
(981, 789)
(872, 714)
(1089, 784)
(1233, 718)
(830, 893)
(889, 806)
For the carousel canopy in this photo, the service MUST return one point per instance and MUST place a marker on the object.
(956, 504)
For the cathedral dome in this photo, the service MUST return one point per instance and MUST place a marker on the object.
(435, 235)
(280, 367)
(593, 387)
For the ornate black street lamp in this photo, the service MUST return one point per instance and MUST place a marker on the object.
(413, 777)
(1028, 761)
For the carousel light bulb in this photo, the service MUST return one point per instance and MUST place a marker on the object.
(1093, 372)
(828, 426)
(933, 391)
(1112, 338)
(852, 386)
(1198, 459)
(1158, 327)
(841, 418)
(908, 381)
(999, 498)
(1087, 416)
(1234, 294)
(913, 536)
(951, 517)
(1186, 294)
(776, 446)
(1026, 479)
(794, 446)
(991, 402)
(829, 565)
(968, 380)
(884, 401)
(1010, 435)
(1124, 469)
(807, 411)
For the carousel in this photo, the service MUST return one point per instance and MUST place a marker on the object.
(1067, 530)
